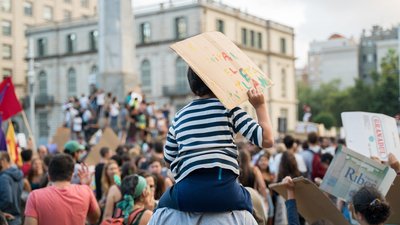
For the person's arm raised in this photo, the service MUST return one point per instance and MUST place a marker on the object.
(256, 98)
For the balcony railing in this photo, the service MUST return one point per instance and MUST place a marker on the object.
(40, 100)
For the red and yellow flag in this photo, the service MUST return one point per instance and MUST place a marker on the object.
(12, 145)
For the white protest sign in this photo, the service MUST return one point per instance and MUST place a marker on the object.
(349, 171)
(371, 134)
(223, 67)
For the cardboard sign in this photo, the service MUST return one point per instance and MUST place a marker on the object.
(349, 171)
(393, 197)
(108, 139)
(312, 203)
(63, 134)
(371, 134)
(223, 67)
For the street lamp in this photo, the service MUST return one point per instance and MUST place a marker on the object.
(31, 82)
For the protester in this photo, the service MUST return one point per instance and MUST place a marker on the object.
(136, 194)
(155, 167)
(370, 206)
(64, 202)
(111, 172)
(11, 182)
(42, 152)
(291, 206)
(36, 174)
(309, 152)
(105, 156)
(207, 182)
(74, 149)
(263, 164)
(26, 156)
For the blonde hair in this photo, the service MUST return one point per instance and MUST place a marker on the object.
(107, 182)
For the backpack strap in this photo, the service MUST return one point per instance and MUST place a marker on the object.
(136, 221)
(134, 214)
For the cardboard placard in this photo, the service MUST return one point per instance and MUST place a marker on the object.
(62, 135)
(393, 197)
(223, 67)
(371, 134)
(349, 171)
(312, 203)
(108, 139)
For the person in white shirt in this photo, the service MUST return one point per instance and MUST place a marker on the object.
(84, 101)
(291, 146)
(114, 112)
(77, 126)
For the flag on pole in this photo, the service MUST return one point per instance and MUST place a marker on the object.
(12, 145)
(9, 104)
(3, 144)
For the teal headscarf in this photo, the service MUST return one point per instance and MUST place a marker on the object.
(127, 203)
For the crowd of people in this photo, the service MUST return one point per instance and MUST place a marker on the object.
(134, 120)
(198, 164)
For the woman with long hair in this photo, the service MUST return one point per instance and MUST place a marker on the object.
(263, 164)
(288, 166)
(36, 174)
(110, 170)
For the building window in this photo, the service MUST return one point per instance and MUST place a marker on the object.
(48, 13)
(145, 32)
(5, 5)
(43, 125)
(220, 26)
(370, 58)
(93, 39)
(283, 45)
(181, 79)
(6, 27)
(71, 43)
(252, 39)
(7, 73)
(145, 70)
(85, 3)
(7, 51)
(259, 40)
(42, 78)
(67, 15)
(71, 83)
(42, 47)
(28, 8)
(244, 36)
(180, 27)
(283, 84)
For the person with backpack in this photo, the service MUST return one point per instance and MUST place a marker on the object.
(309, 153)
(131, 210)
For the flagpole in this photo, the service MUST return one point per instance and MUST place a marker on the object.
(29, 130)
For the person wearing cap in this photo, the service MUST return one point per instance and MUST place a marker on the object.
(74, 149)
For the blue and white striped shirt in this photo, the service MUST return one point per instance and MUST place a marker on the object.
(202, 136)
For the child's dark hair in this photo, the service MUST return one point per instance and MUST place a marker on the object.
(197, 86)
(371, 204)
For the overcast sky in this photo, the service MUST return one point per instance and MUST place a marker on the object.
(318, 19)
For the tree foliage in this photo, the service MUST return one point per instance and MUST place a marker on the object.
(328, 101)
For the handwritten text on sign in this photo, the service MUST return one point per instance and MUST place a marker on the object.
(226, 70)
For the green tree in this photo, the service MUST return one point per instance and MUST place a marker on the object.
(329, 101)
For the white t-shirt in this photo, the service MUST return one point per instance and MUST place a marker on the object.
(100, 99)
(114, 109)
(77, 124)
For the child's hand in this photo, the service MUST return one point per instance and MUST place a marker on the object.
(256, 97)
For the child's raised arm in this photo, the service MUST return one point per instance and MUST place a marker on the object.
(256, 98)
